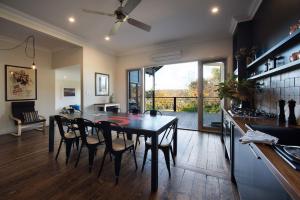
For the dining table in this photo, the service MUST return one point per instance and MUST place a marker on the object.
(143, 124)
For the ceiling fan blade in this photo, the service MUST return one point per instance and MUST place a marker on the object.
(130, 5)
(115, 28)
(98, 12)
(139, 24)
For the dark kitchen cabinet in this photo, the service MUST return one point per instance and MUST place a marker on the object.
(253, 178)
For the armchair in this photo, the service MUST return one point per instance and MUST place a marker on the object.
(25, 116)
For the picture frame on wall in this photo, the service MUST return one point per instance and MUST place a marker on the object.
(20, 83)
(69, 92)
(101, 84)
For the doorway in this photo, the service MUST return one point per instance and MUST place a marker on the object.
(172, 89)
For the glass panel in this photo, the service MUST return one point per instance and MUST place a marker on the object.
(211, 78)
(134, 90)
(134, 76)
(211, 102)
(211, 112)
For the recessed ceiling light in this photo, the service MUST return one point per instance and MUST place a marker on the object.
(71, 19)
(107, 38)
(214, 10)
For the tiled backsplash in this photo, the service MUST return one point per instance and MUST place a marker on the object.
(285, 86)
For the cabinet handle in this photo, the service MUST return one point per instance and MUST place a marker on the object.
(254, 153)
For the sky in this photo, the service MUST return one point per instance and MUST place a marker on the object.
(176, 76)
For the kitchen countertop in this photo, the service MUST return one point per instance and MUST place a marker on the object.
(286, 175)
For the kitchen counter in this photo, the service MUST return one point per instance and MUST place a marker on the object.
(286, 175)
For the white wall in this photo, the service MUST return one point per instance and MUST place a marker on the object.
(45, 80)
(191, 50)
(67, 57)
(65, 79)
(96, 60)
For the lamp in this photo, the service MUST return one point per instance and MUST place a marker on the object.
(26, 42)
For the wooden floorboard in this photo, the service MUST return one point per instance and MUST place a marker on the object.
(29, 171)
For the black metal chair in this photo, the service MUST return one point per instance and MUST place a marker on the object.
(165, 145)
(152, 113)
(68, 137)
(134, 111)
(115, 147)
(89, 139)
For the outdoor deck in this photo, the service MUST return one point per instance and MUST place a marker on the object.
(189, 120)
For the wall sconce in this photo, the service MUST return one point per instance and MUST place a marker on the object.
(27, 41)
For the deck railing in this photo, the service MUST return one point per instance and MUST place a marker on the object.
(181, 104)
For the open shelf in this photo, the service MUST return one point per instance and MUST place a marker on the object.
(284, 68)
(275, 49)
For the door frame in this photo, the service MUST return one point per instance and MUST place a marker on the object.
(200, 92)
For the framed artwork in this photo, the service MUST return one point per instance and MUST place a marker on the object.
(101, 84)
(20, 83)
(69, 92)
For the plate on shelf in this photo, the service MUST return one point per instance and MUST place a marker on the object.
(293, 151)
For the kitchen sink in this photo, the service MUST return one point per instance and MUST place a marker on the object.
(286, 136)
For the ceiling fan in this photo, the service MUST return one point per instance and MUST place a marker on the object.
(121, 15)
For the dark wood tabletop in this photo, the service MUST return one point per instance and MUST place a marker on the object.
(135, 122)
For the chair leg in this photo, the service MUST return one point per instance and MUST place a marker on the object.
(172, 154)
(78, 157)
(102, 163)
(167, 158)
(136, 166)
(44, 127)
(92, 150)
(19, 130)
(118, 158)
(145, 156)
(68, 149)
(77, 142)
(58, 150)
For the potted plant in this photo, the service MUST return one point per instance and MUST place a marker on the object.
(241, 92)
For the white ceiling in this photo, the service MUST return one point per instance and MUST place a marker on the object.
(171, 20)
(18, 32)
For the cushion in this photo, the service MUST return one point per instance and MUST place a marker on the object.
(32, 116)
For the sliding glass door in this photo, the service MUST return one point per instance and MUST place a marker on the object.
(134, 89)
(210, 74)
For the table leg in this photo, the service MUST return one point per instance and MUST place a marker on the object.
(175, 138)
(51, 133)
(154, 163)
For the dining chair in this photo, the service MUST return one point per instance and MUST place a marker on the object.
(165, 145)
(68, 137)
(153, 113)
(90, 137)
(134, 111)
(115, 147)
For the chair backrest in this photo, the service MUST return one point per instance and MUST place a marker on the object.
(84, 125)
(168, 134)
(18, 108)
(113, 109)
(134, 111)
(106, 128)
(153, 113)
(59, 120)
